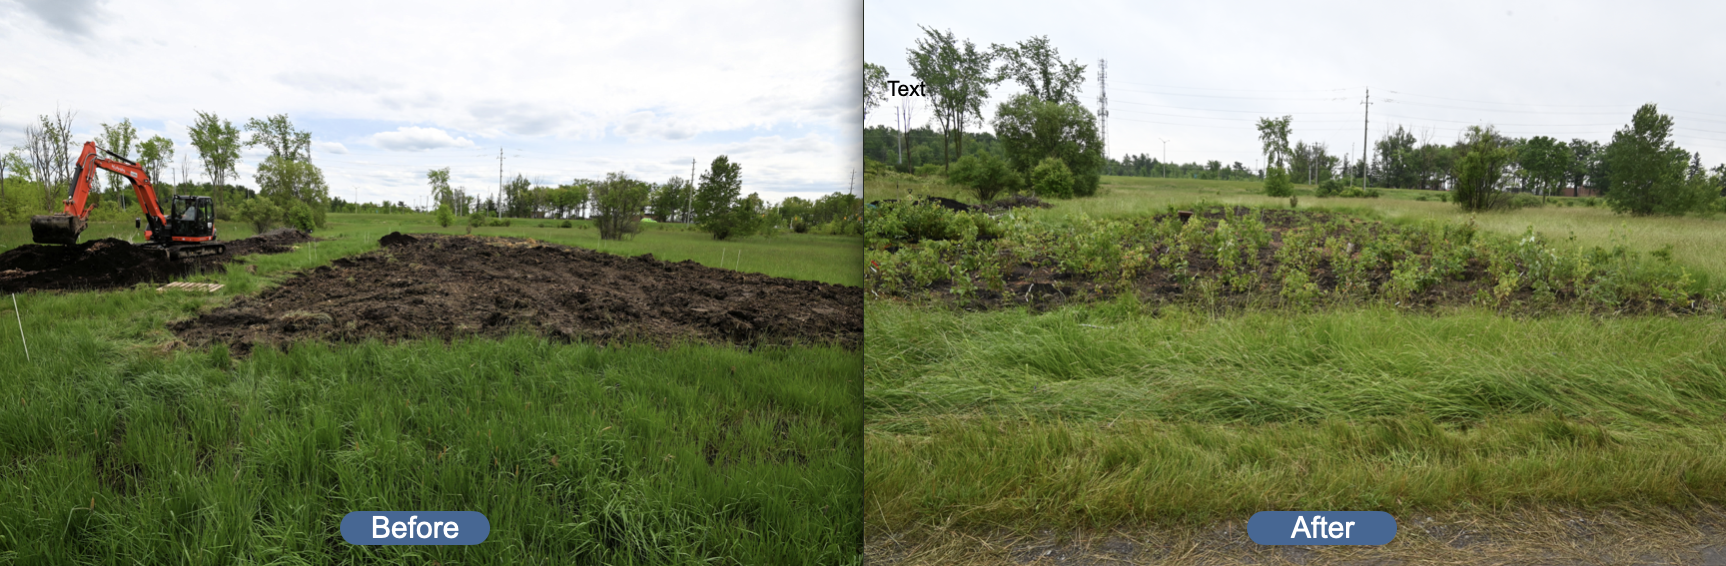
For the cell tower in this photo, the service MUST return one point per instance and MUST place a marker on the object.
(1103, 102)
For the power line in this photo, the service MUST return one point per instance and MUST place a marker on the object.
(1260, 112)
(1238, 89)
(1512, 103)
(1229, 118)
(1230, 97)
(1394, 101)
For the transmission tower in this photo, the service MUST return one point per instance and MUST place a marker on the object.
(1103, 102)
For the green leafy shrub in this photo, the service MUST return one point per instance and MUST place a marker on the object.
(1329, 188)
(444, 216)
(566, 224)
(300, 216)
(1051, 178)
(1277, 183)
(261, 213)
(986, 175)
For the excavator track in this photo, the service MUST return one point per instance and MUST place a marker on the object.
(185, 251)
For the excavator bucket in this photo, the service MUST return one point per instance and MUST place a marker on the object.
(56, 228)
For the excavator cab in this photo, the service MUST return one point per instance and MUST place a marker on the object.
(192, 217)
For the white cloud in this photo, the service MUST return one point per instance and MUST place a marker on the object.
(413, 138)
(335, 148)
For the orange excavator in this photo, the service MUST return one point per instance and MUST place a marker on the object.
(189, 232)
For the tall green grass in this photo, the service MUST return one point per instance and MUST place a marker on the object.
(574, 453)
(1119, 413)
(118, 445)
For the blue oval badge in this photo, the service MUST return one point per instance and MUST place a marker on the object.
(1321, 527)
(415, 527)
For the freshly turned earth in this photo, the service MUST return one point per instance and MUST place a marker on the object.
(111, 263)
(449, 286)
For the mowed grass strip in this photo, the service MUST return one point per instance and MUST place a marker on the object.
(1116, 412)
(614, 455)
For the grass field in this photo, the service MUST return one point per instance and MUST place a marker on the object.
(1128, 416)
(118, 445)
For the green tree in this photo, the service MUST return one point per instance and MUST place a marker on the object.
(988, 176)
(1274, 135)
(518, 197)
(1396, 165)
(154, 153)
(874, 87)
(1547, 163)
(671, 200)
(958, 80)
(716, 197)
(1481, 171)
(1051, 178)
(1037, 66)
(278, 134)
(618, 202)
(1648, 170)
(218, 145)
(440, 189)
(288, 182)
(1031, 130)
(119, 138)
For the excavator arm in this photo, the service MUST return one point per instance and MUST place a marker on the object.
(65, 227)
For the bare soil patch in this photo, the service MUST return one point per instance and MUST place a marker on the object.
(449, 286)
(111, 263)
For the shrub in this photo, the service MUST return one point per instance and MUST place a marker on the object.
(300, 216)
(928, 170)
(1277, 183)
(1329, 188)
(1051, 178)
(1523, 200)
(444, 216)
(475, 220)
(987, 175)
(259, 212)
(799, 225)
(566, 224)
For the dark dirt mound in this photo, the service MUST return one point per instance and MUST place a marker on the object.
(396, 239)
(449, 286)
(109, 263)
(280, 240)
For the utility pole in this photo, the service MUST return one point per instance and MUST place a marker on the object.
(499, 197)
(1165, 157)
(689, 214)
(1365, 119)
(1103, 103)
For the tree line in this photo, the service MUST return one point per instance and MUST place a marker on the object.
(1640, 171)
(1049, 143)
(617, 204)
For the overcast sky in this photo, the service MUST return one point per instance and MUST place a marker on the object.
(1199, 74)
(392, 89)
